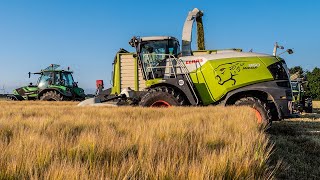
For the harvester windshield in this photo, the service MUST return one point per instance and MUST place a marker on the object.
(154, 53)
(167, 46)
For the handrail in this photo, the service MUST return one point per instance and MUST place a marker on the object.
(171, 58)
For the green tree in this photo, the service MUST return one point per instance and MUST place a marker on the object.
(297, 69)
(314, 83)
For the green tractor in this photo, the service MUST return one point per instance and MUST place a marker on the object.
(160, 74)
(53, 85)
(301, 101)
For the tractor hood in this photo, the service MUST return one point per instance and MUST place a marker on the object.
(22, 91)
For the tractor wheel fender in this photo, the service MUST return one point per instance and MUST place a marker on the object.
(233, 96)
(50, 89)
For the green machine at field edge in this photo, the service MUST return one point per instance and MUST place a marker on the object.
(301, 101)
(53, 85)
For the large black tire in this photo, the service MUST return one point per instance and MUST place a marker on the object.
(51, 96)
(263, 111)
(162, 97)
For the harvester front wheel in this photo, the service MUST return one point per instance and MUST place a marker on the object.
(261, 109)
(51, 96)
(162, 97)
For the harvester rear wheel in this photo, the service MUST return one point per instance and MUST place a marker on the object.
(162, 97)
(51, 96)
(261, 109)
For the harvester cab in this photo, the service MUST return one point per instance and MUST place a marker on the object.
(158, 58)
(53, 85)
(153, 54)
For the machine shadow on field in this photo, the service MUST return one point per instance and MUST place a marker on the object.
(297, 145)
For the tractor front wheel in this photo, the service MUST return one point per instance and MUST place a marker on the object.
(162, 97)
(12, 98)
(261, 109)
(51, 96)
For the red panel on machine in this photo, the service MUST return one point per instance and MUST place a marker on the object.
(99, 83)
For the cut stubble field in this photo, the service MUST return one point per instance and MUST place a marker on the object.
(297, 145)
(57, 140)
(54, 140)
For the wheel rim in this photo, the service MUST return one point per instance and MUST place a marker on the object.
(258, 116)
(160, 103)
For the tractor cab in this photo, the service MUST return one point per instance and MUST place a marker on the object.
(55, 78)
(154, 53)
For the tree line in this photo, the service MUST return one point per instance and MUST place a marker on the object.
(313, 77)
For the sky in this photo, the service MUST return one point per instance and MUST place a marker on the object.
(86, 34)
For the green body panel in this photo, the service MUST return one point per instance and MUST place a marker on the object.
(216, 78)
(30, 92)
(78, 91)
(27, 88)
(152, 82)
(61, 88)
(116, 82)
(15, 92)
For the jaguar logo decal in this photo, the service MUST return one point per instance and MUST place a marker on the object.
(227, 72)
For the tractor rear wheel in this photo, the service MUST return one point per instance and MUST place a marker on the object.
(162, 97)
(261, 109)
(51, 96)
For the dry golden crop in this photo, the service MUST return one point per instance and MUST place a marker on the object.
(54, 140)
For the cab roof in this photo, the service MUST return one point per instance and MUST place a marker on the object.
(56, 70)
(157, 38)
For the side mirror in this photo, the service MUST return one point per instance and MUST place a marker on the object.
(29, 74)
(290, 51)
